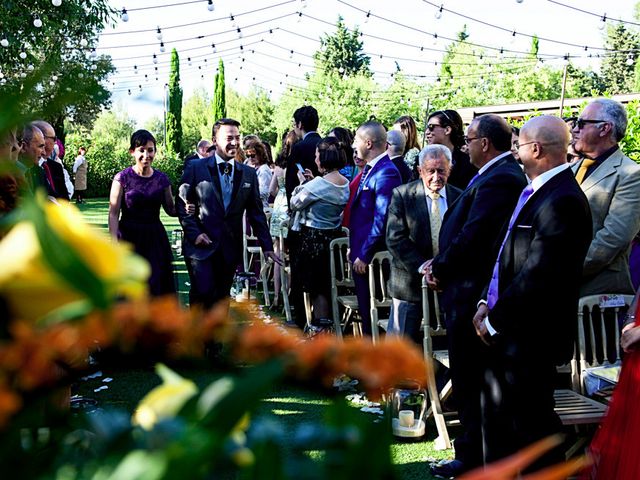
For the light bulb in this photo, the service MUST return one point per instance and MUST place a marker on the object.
(23, 55)
(30, 68)
(603, 22)
(155, 58)
(4, 42)
(37, 22)
(56, 3)
(83, 42)
(93, 53)
(210, 6)
(54, 78)
(240, 35)
(162, 49)
(51, 84)
(159, 34)
(519, 1)
(630, 61)
(81, 75)
(23, 75)
(124, 15)
(439, 13)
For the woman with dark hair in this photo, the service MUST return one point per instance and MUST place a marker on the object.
(319, 203)
(444, 127)
(137, 192)
(407, 126)
(346, 140)
(257, 156)
(279, 224)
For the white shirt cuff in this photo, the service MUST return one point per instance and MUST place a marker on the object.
(422, 267)
(492, 331)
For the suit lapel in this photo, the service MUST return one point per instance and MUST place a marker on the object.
(212, 171)
(421, 214)
(372, 172)
(237, 180)
(606, 168)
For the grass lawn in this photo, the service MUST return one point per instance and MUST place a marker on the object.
(290, 404)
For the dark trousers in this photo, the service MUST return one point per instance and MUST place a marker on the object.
(296, 293)
(467, 358)
(361, 283)
(211, 279)
(518, 404)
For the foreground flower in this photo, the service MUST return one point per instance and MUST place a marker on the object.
(54, 258)
(164, 401)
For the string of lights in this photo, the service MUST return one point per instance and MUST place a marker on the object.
(603, 18)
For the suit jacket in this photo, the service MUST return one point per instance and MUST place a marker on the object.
(403, 168)
(304, 153)
(613, 191)
(200, 185)
(470, 231)
(368, 222)
(540, 270)
(409, 238)
(462, 171)
(59, 184)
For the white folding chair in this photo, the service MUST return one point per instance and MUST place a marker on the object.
(434, 328)
(249, 254)
(342, 287)
(379, 272)
(284, 277)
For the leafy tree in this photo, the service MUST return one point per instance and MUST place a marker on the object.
(341, 53)
(618, 69)
(255, 112)
(174, 115)
(155, 125)
(196, 122)
(219, 97)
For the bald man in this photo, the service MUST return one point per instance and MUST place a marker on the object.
(368, 220)
(395, 149)
(54, 170)
(528, 315)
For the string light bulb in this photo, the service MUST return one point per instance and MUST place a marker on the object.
(519, 1)
(124, 15)
(439, 12)
(630, 60)
(159, 34)
(83, 42)
(366, 19)
(162, 49)
(22, 55)
(603, 22)
(155, 58)
(210, 6)
(93, 53)
(189, 60)
(37, 22)
(56, 3)
(4, 42)
(240, 35)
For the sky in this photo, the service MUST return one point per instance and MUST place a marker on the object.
(270, 43)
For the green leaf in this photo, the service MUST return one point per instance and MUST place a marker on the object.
(140, 465)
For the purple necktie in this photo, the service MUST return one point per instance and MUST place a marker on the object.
(365, 171)
(475, 177)
(492, 294)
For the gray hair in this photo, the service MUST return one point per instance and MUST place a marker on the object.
(615, 113)
(203, 143)
(434, 151)
(396, 141)
(29, 131)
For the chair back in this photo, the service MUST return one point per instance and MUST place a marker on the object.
(431, 324)
(599, 334)
(341, 274)
(379, 274)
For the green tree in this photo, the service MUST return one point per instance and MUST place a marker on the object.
(255, 112)
(156, 127)
(219, 96)
(618, 68)
(196, 122)
(174, 115)
(341, 53)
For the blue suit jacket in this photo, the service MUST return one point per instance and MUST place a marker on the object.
(224, 228)
(368, 222)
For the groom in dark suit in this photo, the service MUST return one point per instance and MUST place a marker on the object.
(529, 315)
(412, 227)
(222, 191)
(468, 237)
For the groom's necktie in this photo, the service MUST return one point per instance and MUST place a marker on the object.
(225, 182)
(492, 294)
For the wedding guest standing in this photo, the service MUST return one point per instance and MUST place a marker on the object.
(137, 192)
(80, 172)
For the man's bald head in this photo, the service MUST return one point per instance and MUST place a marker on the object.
(49, 136)
(370, 140)
(396, 142)
(544, 141)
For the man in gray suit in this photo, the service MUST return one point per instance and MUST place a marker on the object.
(611, 182)
(413, 227)
(222, 191)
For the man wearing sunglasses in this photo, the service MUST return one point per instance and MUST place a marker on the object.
(611, 182)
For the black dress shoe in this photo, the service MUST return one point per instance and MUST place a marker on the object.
(448, 469)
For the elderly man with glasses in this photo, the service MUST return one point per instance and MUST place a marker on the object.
(611, 182)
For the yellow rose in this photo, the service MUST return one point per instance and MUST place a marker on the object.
(78, 263)
(165, 400)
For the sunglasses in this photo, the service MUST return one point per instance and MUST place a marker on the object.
(581, 122)
(432, 126)
(251, 155)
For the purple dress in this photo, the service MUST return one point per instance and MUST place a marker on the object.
(140, 225)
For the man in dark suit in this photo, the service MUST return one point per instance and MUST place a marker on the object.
(302, 158)
(222, 191)
(202, 150)
(410, 230)
(368, 221)
(54, 170)
(395, 146)
(530, 313)
(468, 237)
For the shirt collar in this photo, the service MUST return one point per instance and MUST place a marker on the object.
(606, 154)
(219, 159)
(307, 134)
(373, 162)
(442, 191)
(491, 162)
(543, 178)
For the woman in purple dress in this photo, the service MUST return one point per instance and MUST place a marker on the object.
(138, 192)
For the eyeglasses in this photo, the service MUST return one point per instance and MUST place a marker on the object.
(517, 144)
(432, 126)
(580, 122)
(468, 140)
(251, 155)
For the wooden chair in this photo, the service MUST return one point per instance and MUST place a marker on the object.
(250, 252)
(379, 272)
(433, 327)
(342, 287)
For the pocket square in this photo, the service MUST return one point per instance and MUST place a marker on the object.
(365, 188)
(524, 226)
(246, 185)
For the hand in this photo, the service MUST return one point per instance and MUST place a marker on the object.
(271, 255)
(630, 338)
(359, 267)
(432, 281)
(308, 174)
(301, 177)
(190, 208)
(479, 323)
(203, 240)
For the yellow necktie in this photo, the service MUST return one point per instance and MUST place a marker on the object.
(435, 220)
(582, 171)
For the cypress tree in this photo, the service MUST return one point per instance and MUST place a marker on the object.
(174, 115)
(219, 99)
